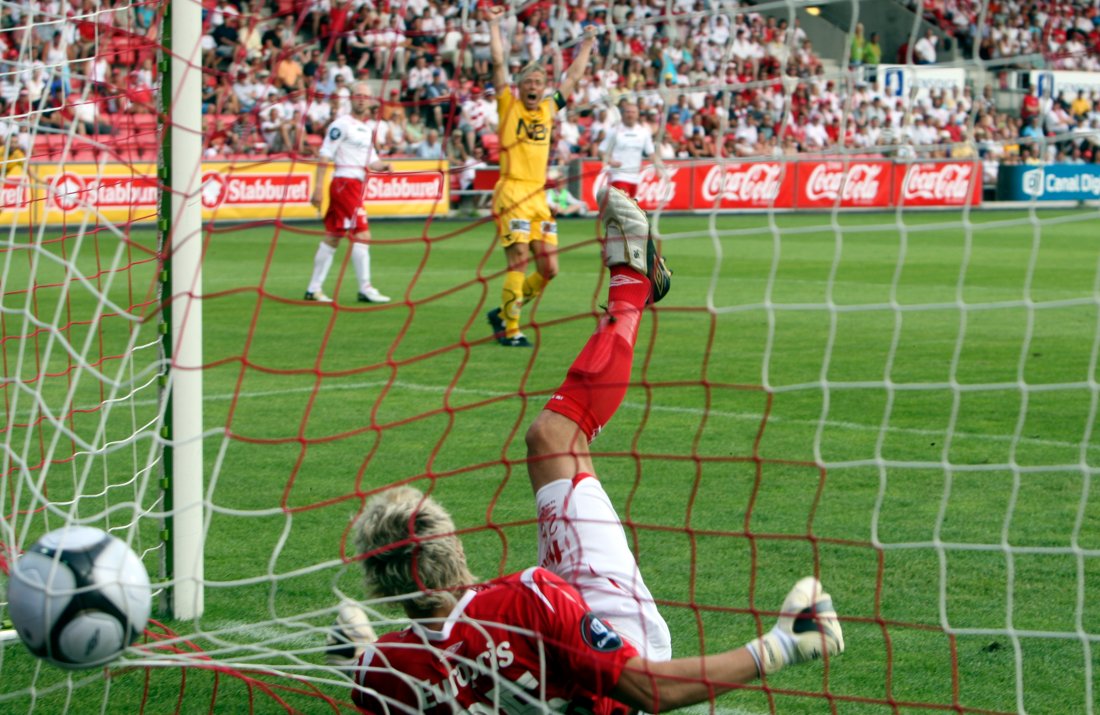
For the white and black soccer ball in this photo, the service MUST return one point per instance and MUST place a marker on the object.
(79, 597)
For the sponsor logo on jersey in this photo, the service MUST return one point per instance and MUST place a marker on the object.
(599, 635)
(535, 131)
(334, 133)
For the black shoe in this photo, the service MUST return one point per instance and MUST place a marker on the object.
(519, 340)
(660, 277)
(496, 323)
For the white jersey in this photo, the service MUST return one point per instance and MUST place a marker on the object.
(627, 145)
(349, 143)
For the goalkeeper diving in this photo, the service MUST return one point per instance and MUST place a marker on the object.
(580, 632)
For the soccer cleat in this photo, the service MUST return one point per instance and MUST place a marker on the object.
(519, 340)
(660, 277)
(626, 231)
(317, 297)
(347, 639)
(370, 294)
(627, 241)
(807, 626)
(496, 323)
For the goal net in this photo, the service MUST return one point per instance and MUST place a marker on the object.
(877, 365)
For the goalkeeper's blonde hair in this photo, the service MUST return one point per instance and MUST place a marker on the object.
(401, 531)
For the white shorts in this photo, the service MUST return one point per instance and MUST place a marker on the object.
(582, 540)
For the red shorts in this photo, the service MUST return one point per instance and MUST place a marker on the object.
(345, 207)
(626, 187)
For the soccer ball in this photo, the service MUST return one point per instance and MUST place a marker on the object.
(78, 597)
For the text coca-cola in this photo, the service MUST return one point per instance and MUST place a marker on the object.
(948, 184)
(756, 184)
(857, 183)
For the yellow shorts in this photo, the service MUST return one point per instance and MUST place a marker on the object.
(523, 214)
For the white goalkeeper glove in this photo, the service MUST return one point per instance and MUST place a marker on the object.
(808, 625)
(348, 638)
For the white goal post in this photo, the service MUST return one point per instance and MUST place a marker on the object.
(181, 234)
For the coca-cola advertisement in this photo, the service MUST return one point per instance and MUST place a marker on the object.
(945, 183)
(816, 184)
(848, 184)
(744, 185)
(667, 187)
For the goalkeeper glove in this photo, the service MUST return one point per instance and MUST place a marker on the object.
(807, 626)
(349, 637)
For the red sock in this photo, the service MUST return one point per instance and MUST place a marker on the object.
(596, 383)
(628, 285)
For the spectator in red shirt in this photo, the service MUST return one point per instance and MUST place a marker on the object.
(674, 129)
(335, 35)
(1030, 106)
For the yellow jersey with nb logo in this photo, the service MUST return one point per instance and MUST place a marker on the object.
(525, 137)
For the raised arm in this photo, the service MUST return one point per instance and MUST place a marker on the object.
(496, 50)
(580, 61)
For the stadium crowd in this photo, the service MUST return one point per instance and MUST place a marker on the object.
(1036, 34)
(710, 82)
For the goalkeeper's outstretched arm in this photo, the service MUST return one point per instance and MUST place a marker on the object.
(808, 626)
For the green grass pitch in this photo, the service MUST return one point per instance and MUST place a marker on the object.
(902, 403)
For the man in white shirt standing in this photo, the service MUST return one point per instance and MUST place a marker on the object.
(816, 136)
(924, 52)
(349, 143)
(624, 148)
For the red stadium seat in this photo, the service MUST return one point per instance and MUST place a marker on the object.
(491, 142)
(84, 154)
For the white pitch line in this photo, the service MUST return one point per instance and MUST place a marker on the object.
(753, 418)
(694, 411)
(706, 710)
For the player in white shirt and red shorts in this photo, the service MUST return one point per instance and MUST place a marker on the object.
(350, 144)
(580, 632)
(623, 149)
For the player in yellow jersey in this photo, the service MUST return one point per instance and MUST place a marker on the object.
(524, 224)
(12, 160)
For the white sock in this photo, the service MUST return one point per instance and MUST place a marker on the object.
(360, 259)
(322, 261)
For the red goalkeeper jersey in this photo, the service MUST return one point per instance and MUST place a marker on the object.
(510, 646)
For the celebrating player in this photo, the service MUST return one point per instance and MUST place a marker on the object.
(624, 148)
(524, 223)
(579, 633)
(349, 143)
